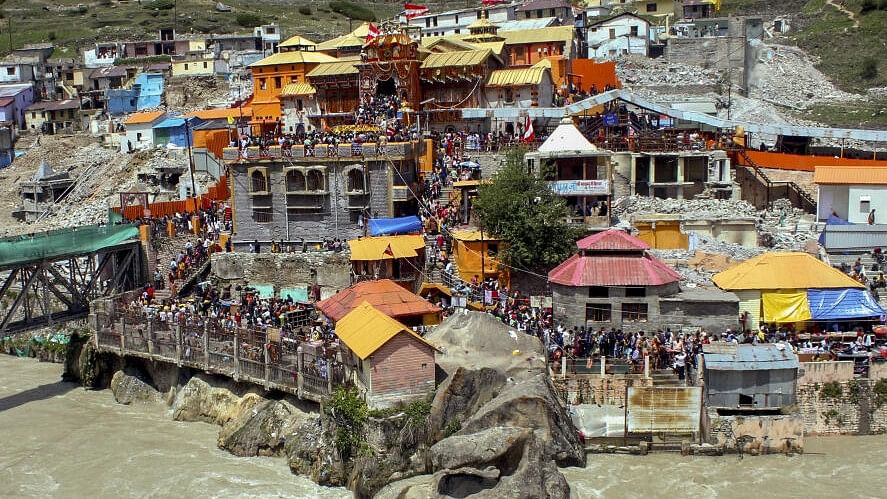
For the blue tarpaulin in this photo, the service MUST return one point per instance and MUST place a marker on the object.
(394, 226)
(831, 220)
(842, 303)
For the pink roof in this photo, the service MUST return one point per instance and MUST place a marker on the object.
(612, 240)
(603, 270)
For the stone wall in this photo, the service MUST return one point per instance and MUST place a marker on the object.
(597, 389)
(286, 270)
(569, 306)
(720, 53)
(710, 315)
(832, 401)
(756, 434)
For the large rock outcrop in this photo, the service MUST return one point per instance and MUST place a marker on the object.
(260, 428)
(128, 388)
(499, 428)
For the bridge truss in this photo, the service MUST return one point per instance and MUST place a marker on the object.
(48, 291)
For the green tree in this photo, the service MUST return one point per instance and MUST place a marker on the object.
(529, 217)
(869, 68)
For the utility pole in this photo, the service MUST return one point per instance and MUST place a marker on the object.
(175, 17)
(190, 162)
(9, 29)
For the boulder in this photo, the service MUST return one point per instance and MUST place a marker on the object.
(260, 428)
(128, 389)
(491, 445)
(395, 450)
(462, 394)
(311, 451)
(201, 400)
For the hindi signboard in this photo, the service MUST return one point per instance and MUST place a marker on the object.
(581, 187)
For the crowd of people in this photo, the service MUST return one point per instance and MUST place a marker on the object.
(872, 277)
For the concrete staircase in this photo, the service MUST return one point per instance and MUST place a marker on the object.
(166, 251)
(665, 377)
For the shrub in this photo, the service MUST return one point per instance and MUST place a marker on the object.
(868, 6)
(352, 10)
(869, 68)
(161, 5)
(51, 36)
(248, 20)
(879, 392)
(832, 390)
(305, 10)
(349, 412)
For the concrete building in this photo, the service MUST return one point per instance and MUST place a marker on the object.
(41, 192)
(618, 36)
(852, 193)
(53, 116)
(400, 258)
(16, 70)
(140, 130)
(674, 174)
(611, 282)
(145, 93)
(193, 64)
(749, 377)
(579, 172)
(102, 54)
(16, 98)
(538, 9)
(387, 361)
(521, 88)
(320, 195)
(455, 22)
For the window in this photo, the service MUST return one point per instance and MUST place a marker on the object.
(427, 22)
(299, 105)
(634, 31)
(434, 20)
(552, 13)
(539, 13)
(865, 204)
(277, 82)
(315, 180)
(594, 30)
(612, 33)
(636, 292)
(186, 66)
(457, 19)
(295, 181)
(204, 65)
(457, 31)
(598, 292)
(651, 7)
(263, 215)
(258, 180)
(529, 14)
(263, 84)
(598, 312)
(355, 181)
(10, 70)
(634, 312)
(139, 137)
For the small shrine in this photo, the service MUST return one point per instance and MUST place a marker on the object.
(390, 66)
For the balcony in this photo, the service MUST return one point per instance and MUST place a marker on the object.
(394, 151)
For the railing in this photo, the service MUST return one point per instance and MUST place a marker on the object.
(295, 152)
(797, 195)
(241, 353)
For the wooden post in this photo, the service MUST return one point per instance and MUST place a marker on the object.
(122, 334)
(267, 366)
(236, 356)
(329, 377)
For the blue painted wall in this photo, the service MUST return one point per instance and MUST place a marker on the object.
(146, 93)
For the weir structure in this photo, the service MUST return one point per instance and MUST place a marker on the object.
(53, 276)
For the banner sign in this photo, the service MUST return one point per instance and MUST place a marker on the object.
(581, 187)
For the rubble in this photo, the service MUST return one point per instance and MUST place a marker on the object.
(635, 70)
(706, 209)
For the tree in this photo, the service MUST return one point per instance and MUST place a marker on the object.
(869, 68)
(528, 216)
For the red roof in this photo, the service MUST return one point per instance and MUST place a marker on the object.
(5, 101)
(612, 240)
(384, 295)
(604, 270)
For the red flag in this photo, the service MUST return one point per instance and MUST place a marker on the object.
(529, 134)
(388, 251)
(491, 2)
(411, 10)
(372, 32)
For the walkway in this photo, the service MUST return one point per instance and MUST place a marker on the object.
(850, 14)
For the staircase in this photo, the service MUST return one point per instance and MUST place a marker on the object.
(167, 250)
(665, 377)
(797, 195)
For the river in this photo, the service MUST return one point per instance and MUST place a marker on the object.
(59, 440)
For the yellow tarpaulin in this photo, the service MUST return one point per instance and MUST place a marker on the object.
(471, 255)
(376, 248)
(786, 305)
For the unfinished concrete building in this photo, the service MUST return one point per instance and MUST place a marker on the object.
(41, 192)
(674, 174)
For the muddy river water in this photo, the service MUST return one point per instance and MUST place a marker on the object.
(58, 440)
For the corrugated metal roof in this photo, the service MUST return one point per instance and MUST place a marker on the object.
(354, 39)
(333, 69)
(563, 34)
(612, 240)
(851, 175)
(731, 357)
(298, 57)
(302, 88)
(383, 294)
(365, 329)
(606, 270)
(543, 4)
(783, 270)
(375, 248)
(853, 237)
(516, 77)
(143, 118)
(460, 58)
(222, 113)
(297, 41)
(521, 24)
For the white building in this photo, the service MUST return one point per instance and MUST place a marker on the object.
(140, 130)
(270, 36)
(851, 193)
(13, 70)
(617, 36)
(521, 88)
(455, 22)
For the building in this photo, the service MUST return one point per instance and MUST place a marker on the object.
(528, 47)
(140, 130)
(268, 36)
(749, 377)
(307, 196)
(16, 98)
(611, 282)
(145, 93)
(169, 43)
(678, 174)
(852, 193)
(347, 45)
(389, 363)
(476, 255)
(384, 295)
(520, 88)
(16, 70)
(697, 9)
(617, 36)
(578, 171)
(399, 258)
(538, 9)
(194, 64)
(53, 116)
(794, 288)
(175, 131)
(298, 101)
(297, 43)
(103, 54)
(111, 77)
(273, 73)
(41, 192)
(456, 22)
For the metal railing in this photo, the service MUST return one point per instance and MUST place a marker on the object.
(245, 354)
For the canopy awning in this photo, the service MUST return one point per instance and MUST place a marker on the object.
(391, 226)
(385, 247)
(848, 303)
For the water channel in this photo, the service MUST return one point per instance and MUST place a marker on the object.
(58, 440)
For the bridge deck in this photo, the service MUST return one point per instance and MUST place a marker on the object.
(60, 244)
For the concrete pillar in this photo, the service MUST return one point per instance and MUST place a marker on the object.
(300, 362)
(206, 346)
(150, 338)
(178, 336)
(680, 177)
(603, 365)
(267, 365)
(564, 367)
(236, 357)
(647, 366)
(122, 334)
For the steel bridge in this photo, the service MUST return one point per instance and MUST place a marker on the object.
(52, 277)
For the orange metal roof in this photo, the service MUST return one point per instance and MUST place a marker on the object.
(384, 294)
(142, 118)
(365, 329)
(851, 175)
(222, 113)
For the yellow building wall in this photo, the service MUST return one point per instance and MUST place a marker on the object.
(750, 301)
(202, 67)
(666, 235)
(268, 82)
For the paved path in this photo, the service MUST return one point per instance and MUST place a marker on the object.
(850, 14)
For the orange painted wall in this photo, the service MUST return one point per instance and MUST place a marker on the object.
(214, 141)
(599, 74)
(801, 162)
(528, 54)
(268, 82)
